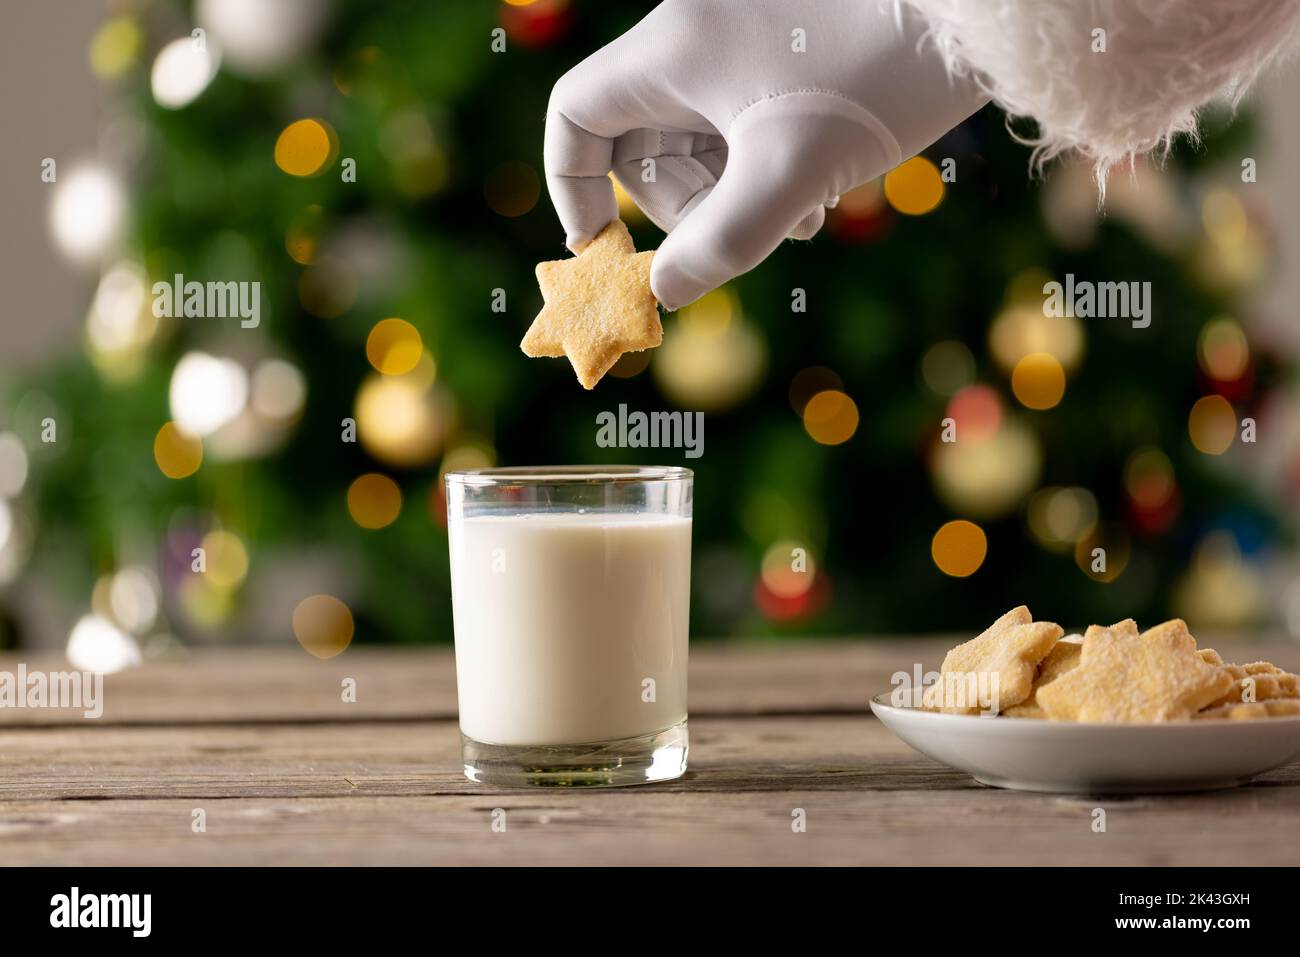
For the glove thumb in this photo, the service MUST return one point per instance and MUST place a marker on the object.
(786, 158)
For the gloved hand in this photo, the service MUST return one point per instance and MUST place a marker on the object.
(753, 127)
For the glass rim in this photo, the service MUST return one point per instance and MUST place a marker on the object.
(569, 475)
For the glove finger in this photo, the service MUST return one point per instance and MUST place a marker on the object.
(664, 171)
(592, 107)
(665, 190)
(577, 163)
(786, 157)
(733, 227)
(808, 226)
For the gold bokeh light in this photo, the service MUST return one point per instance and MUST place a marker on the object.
(959, 548)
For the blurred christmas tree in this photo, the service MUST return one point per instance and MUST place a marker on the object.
(375, 167)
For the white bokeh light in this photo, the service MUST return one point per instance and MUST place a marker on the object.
(206, 393)
(86, 212)
(13, 465)
(258, 37)
(97, 645)
(133, 597)
(114, 319)
(182, 70)
(278, 389)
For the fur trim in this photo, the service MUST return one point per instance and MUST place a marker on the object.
(1164, 60)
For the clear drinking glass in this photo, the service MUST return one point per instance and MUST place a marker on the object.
(570, 593)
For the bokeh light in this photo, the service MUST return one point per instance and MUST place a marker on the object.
(1221, 589)
(1023, 329)
(1212, 424)
(1038, 381)
(1224, 218)
(13, 465)
(977, 411)
(1149, 478)
(1103, 553)
(947, 366)
(178, 455)
(306, 147)
(374, 501)
(808, 382)
(861, 214)
(1234, 254)
(262, 39)
(394, 346)
(225, 558)
(1152, 490)
(1059, 517)
(204, 604)
(400, 419)
(914, 187)
(279, 390)
(97, 645)
(181, 71)
(86, 212)
(959, 548)
(115, 47)
(788, 570)
(302, 238)
(323, 626)
(206, 392)
(706, 364)
(133, 596)
(989, 477)
(468, 453)
(631, 364)
(512, 188)
(536, 23)
(120, 322)
(16, 535)
(1222, 350)
(830, 417)
(711, 314)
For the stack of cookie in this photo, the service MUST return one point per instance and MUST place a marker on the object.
(1110, 675)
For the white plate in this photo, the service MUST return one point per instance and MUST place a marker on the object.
(1034, 755)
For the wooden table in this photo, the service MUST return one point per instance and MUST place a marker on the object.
(285, 772)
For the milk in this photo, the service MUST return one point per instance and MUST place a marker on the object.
(570, 627)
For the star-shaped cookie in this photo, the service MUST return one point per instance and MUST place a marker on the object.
(1124, 678)
(1258, 681)
(1062, 658)
(598, 306)
(1008, 651)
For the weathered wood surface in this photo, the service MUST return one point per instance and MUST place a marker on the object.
(266, 685)
(287, 774)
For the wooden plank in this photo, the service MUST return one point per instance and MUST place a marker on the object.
(260, 685)
(392, 793)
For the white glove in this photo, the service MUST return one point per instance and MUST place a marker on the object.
(754, 127)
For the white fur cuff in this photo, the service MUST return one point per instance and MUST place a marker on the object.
(1162, 61)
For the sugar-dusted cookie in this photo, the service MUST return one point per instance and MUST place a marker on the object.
(1258, 681)
(1062, 658)
(1273, 708)
(598, 306)
(1123, 677)
(1002, 661)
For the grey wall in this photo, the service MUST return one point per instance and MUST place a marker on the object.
(50, 105)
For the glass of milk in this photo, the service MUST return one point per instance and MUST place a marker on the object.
(571, 593)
